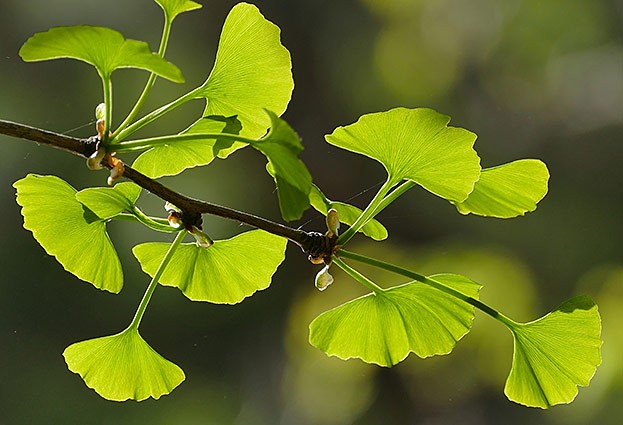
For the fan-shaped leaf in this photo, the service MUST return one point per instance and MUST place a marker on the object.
(507, 190)
(416, 145)
(555, 354)
(172, 8)
(69, 231)
(107, 202)
(123, 366)
(252, 71)
(225, 273)
(383, 328)
(175, 157)
(104, 48)
(346, 213)
(282, 147)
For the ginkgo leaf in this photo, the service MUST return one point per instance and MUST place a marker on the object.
(416, 145)
(346, 213)
(107, 202)
(384, 327)
(507, 190)
(555, 354)
(69, 231)
(172, 8)
(252, 71)
(104, 48)
(225, 273)
(175, 157)
(123, 366)
(282, 147)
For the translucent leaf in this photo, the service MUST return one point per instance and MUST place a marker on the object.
(172, 8)
(123, 366)
(384, 328)
(282, 147)
(69, 231)
(225, 273)
(104, 48)
(175, 157)
(507, 190)
(416, 145)
(252, 71)
(347, 214)
(107, 202)
(555, 354)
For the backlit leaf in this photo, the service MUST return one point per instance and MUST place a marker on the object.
(282, 147)
(175, 157)
(123, 366)
(172, 8)
(383, 328)
(107, 202)
(555, 354)
(252, 71)
(416, 145)
(347, 214)
(104, 48)
(69, 231)
(507, 190)
(225, 273)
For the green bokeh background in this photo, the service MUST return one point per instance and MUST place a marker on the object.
(532, 78)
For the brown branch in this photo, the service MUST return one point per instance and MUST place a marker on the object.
(313, 243)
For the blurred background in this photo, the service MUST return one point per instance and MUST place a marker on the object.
(532, 78)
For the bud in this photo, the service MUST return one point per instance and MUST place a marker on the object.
(201, 238)
(323, 278)
(100, 111)
(100, 126)
(94, 162)
(116, 171)
(175, 220)
(333, 223)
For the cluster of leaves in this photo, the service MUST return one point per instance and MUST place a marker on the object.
(246, 92)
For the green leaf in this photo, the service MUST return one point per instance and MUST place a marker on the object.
(252, 71)
(107, 202)
(383, 328)
(282, 147)
(508, 190)
(175, 157)
(104, 48)
(347, 214)
(225, 273)
(123, 366)
(416, 145)
(172, 8)
(555, 354)
(69, 231)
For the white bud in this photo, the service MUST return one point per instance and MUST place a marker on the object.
(100, 111)
(333, 222)
(323, 279)
(94, 162)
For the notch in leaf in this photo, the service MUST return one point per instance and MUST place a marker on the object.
(172, 8)
(104, 48)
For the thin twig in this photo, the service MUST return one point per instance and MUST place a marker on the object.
(312, 243)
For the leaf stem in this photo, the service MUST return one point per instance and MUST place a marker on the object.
(154, 115)
(358, 277)
(142, 144)
(154, 281)
(431, 282)
(107, 86)
(367, 214)
(153, 223)
(166, 31)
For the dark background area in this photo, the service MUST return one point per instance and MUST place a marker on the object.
(533, 79)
